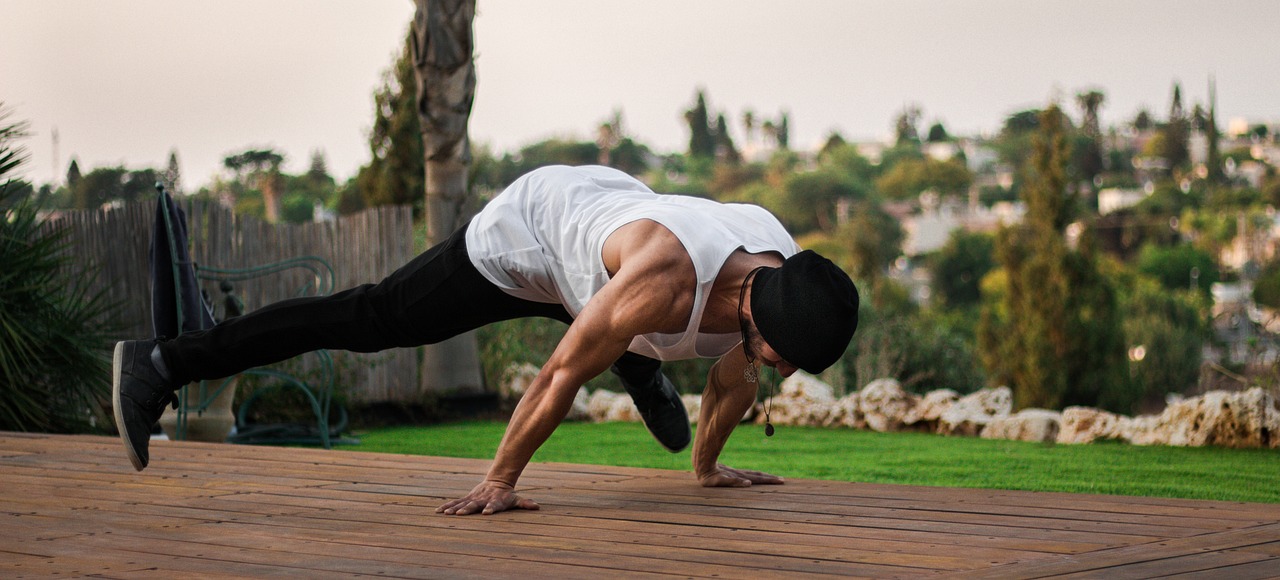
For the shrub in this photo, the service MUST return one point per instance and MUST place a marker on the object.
(53, 342)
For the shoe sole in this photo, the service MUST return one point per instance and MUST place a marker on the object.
(117, 363)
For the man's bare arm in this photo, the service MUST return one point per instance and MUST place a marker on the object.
(637, 300)
(726, 399)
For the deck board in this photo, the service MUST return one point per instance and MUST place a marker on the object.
(73, 506)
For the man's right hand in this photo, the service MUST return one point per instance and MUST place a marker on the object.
(490, 497)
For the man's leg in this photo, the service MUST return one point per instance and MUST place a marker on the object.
(436, 296)
(656, 398)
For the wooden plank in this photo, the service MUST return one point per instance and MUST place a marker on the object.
(254, 511)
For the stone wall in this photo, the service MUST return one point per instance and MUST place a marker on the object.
(1245, 419)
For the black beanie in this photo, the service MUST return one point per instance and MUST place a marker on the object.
(805, 310)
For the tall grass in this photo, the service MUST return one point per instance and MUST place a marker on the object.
(898, 458)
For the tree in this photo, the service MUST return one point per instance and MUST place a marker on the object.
(905, 125)
(56, 331)
(262, 167)
(960, 266)
(1176, 148)
(1179, 267)
(173, 175)
(73, 174)
(702, 141)
(1213, 161)
(938, 134)
(1053, 332)
(726, 152)
(445, 79)
(395, 173)
(1089, 157)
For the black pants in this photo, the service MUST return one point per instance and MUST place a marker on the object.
(434, 297)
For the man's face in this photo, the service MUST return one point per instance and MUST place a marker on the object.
(769, 357)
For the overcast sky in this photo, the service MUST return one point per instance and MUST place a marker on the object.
(127, 81)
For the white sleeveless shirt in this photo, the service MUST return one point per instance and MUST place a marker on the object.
(542, 239)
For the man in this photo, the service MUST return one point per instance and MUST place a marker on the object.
(638, 276)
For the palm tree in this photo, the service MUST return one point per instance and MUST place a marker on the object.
(445, 75)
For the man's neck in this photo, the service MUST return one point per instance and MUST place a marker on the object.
(721, 313)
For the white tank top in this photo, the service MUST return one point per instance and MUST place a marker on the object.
(542, 239)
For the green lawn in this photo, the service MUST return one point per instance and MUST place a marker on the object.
(904, 458)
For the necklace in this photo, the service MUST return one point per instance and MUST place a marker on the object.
(750, 373)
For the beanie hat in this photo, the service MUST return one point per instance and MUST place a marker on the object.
(806, 310)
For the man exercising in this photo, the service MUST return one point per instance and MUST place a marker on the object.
(639, 277)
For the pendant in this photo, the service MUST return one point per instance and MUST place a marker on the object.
(750, 374)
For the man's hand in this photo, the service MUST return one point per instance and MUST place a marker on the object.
(490, 497)
(725, 476)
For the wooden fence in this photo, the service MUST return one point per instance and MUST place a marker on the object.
(362, 248)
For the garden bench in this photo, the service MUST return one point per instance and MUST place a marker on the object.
(199, 398)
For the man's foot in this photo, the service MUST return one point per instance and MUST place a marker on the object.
(139, 394)
(658, 402)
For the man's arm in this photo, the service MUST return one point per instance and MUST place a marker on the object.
(724, 402)
(651, 291)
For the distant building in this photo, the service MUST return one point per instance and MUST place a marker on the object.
(1115, 198)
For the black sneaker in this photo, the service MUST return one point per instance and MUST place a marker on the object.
(139, 394)
(661, 408)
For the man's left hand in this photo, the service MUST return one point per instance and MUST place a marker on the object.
(725, 476)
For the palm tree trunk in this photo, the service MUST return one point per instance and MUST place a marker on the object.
(446, 82)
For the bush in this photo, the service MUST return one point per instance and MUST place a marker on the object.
(53, 343)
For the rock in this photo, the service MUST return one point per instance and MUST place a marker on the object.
(580, 410)
(1086, 425)
(1038, 425)
(884, 404)
(925, 415)
(622, 409)
(802, 399)
(693, 406)
(974, 411)
(845, 412)
(1245, 419)
(517, 380)
(599, 403)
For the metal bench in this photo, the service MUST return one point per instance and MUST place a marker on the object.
(317, 388)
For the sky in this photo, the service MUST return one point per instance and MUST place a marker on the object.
(125, 82)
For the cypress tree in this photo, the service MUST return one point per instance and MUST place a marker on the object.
(1055, 334)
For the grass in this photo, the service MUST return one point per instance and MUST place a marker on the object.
(901, 458)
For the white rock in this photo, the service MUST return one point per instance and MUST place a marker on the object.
(692, 406)
(974, 411)
(1086, 425)
(580, 410)
(517, 380)
(884, 404)
(1221, 418)
(845, 413)
(802, 399)
(622, 409)
(599, 403)
(1038, 425)
(929, 410)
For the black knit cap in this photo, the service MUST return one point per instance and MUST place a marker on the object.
(806, 310)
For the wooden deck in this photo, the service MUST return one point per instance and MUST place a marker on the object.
(72, 506)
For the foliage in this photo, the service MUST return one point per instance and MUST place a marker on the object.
(892, 458)
(1052, 332)
(909, 178)
(958, 268)
(396, 171)
(53, 339)
(920, 353)
(1166, 329)
(702, 140)
(1266, 290)
(1173, 267)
